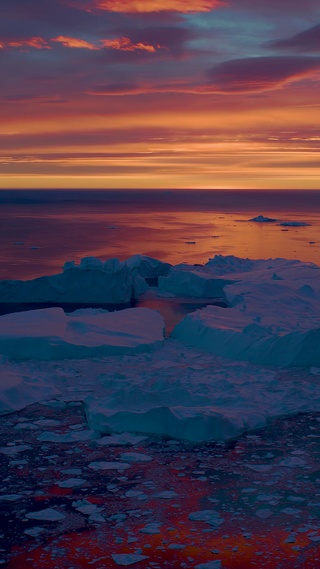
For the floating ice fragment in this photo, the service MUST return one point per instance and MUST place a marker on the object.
(103, 465)
(35, 531)
(71, 483)
(135, 457)
(166, 495)
(11, 497)
(264, 513)
(121, 439)
(293, 462)
(48, 514)
(152, 528)
(74, 436)
(212, 517)
(216, 564)
(127, 559)
(12, 450)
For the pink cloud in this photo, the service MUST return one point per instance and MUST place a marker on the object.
(34, 42)
(125, 44)
(119, 44)
(75, 43)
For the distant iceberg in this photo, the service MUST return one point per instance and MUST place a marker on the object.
(262, 219)
(294, 224)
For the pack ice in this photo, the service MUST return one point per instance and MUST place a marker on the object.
(211, 381)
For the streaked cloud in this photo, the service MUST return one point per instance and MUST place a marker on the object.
(262, 73)
(123, 93)
(307, 41)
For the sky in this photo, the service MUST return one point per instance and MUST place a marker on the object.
(160, 94)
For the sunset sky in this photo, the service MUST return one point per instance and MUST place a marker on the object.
(160, 94)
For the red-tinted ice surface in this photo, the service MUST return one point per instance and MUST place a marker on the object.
(157, 503)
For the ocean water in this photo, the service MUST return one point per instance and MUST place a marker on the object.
(40, 230)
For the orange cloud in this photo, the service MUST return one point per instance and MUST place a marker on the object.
(185, 6)
(121, 44)
(35, 42)
(125, 44)
(75, 43)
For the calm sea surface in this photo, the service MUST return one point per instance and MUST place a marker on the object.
(40, 230)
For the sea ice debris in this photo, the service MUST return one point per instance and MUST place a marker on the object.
(127, 559)
(48, 514)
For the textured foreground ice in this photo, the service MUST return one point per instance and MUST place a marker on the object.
(218, 377)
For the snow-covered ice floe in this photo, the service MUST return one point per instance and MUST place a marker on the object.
(216, 378)
(273, 316)
(49, 333)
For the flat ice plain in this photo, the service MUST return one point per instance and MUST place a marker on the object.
(222, 372)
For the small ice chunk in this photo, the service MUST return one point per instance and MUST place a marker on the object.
(259, 467)
(87, 508)
(127, 559)
(166, 495)
(11, 451)
(293, 462)
(152, 528)
(135, 457)
(212, 517)
(216, 564)
(71, 483)
(48, 514)
(121, 439)
(104, 465)
(11, 497)
(74, 436)
(291, 511)
(35, 531)
(264, 513)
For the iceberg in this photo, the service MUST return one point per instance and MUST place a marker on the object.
(190, 281)
(147, 267)
(91, 282)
